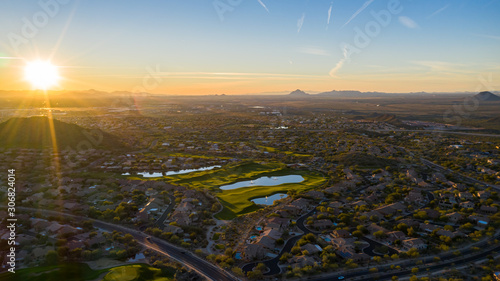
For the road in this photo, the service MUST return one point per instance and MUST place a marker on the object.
(443, 132)
(374, 244)
(462, 177)
(193, 262)
(159, 222)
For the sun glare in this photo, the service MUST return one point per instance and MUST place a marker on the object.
(41, 74)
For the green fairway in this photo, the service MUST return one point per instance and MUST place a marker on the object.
(136, 272)
(81, 272)
(237, 201)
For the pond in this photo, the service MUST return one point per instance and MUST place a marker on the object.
(171, 173)
(264, 181)
(268, 200)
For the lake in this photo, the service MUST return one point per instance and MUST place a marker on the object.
(264, 181)
(171, 173)
(268, 200)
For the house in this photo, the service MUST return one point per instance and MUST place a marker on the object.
(289, 211)
(454, 217)
(172, 228)
(415, 197)
(416, 243)
(343, 242)
(483, 194)
(253, 251)
(278, 223)
(467, 205)
(301, 203)
(322, 224)
(341, 233)
(409, 222)
(428, 227)
(488, 210)
(53, 227)
(481, 221)
(274, 234)
(312, 249)
(432, 214)
(301, 261)
(266, 242)
(465, 196)
(347, 253)
(395, 235)
(446, 233)
(374, 228)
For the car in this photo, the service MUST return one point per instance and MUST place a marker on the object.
(340, 277)
(148, 239)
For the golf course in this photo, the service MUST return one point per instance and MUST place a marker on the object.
(237, 201)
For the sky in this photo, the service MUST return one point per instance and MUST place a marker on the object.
(254, 46)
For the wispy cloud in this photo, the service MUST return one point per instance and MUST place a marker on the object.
(263, 5)
(311, 50)
(495, 37)
(300, 22)
(438, 11)
(329, 15)
(365, 5)
(408, 22)
(236, 75)
(340, 64)
(444, 67)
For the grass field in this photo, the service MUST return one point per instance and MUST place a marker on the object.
(237, 202)
(81, 272)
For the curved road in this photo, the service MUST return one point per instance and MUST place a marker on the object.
(182, 256)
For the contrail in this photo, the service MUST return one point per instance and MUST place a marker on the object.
(329, 15)
(263, 5)
(365, 5)
(300, 22)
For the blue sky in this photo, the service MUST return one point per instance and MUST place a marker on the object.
(257, 46)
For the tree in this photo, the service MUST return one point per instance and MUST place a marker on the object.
(261, 267)
(414, 270)
(379, 234)
(238, 271)
(51, 258)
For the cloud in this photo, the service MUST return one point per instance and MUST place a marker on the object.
(406, 21)
(444, 67)
(495, 37)
(439, 11)
(365, 5)
(329, 15)
(300, 22)
(10, 58)
(263, 5)
(340, 63)
(311, 50)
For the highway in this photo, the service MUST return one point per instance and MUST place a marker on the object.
(202, 267)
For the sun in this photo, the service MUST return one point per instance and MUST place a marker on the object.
(41, 74)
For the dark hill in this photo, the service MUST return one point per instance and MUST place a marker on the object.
(35, 132)
(298, 93)
(487, 96)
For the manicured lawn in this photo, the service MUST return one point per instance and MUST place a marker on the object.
(136, 272)
(237, 201)
(81, 272)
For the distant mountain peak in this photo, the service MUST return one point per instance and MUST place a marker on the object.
(298, 93)
(487, 96)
